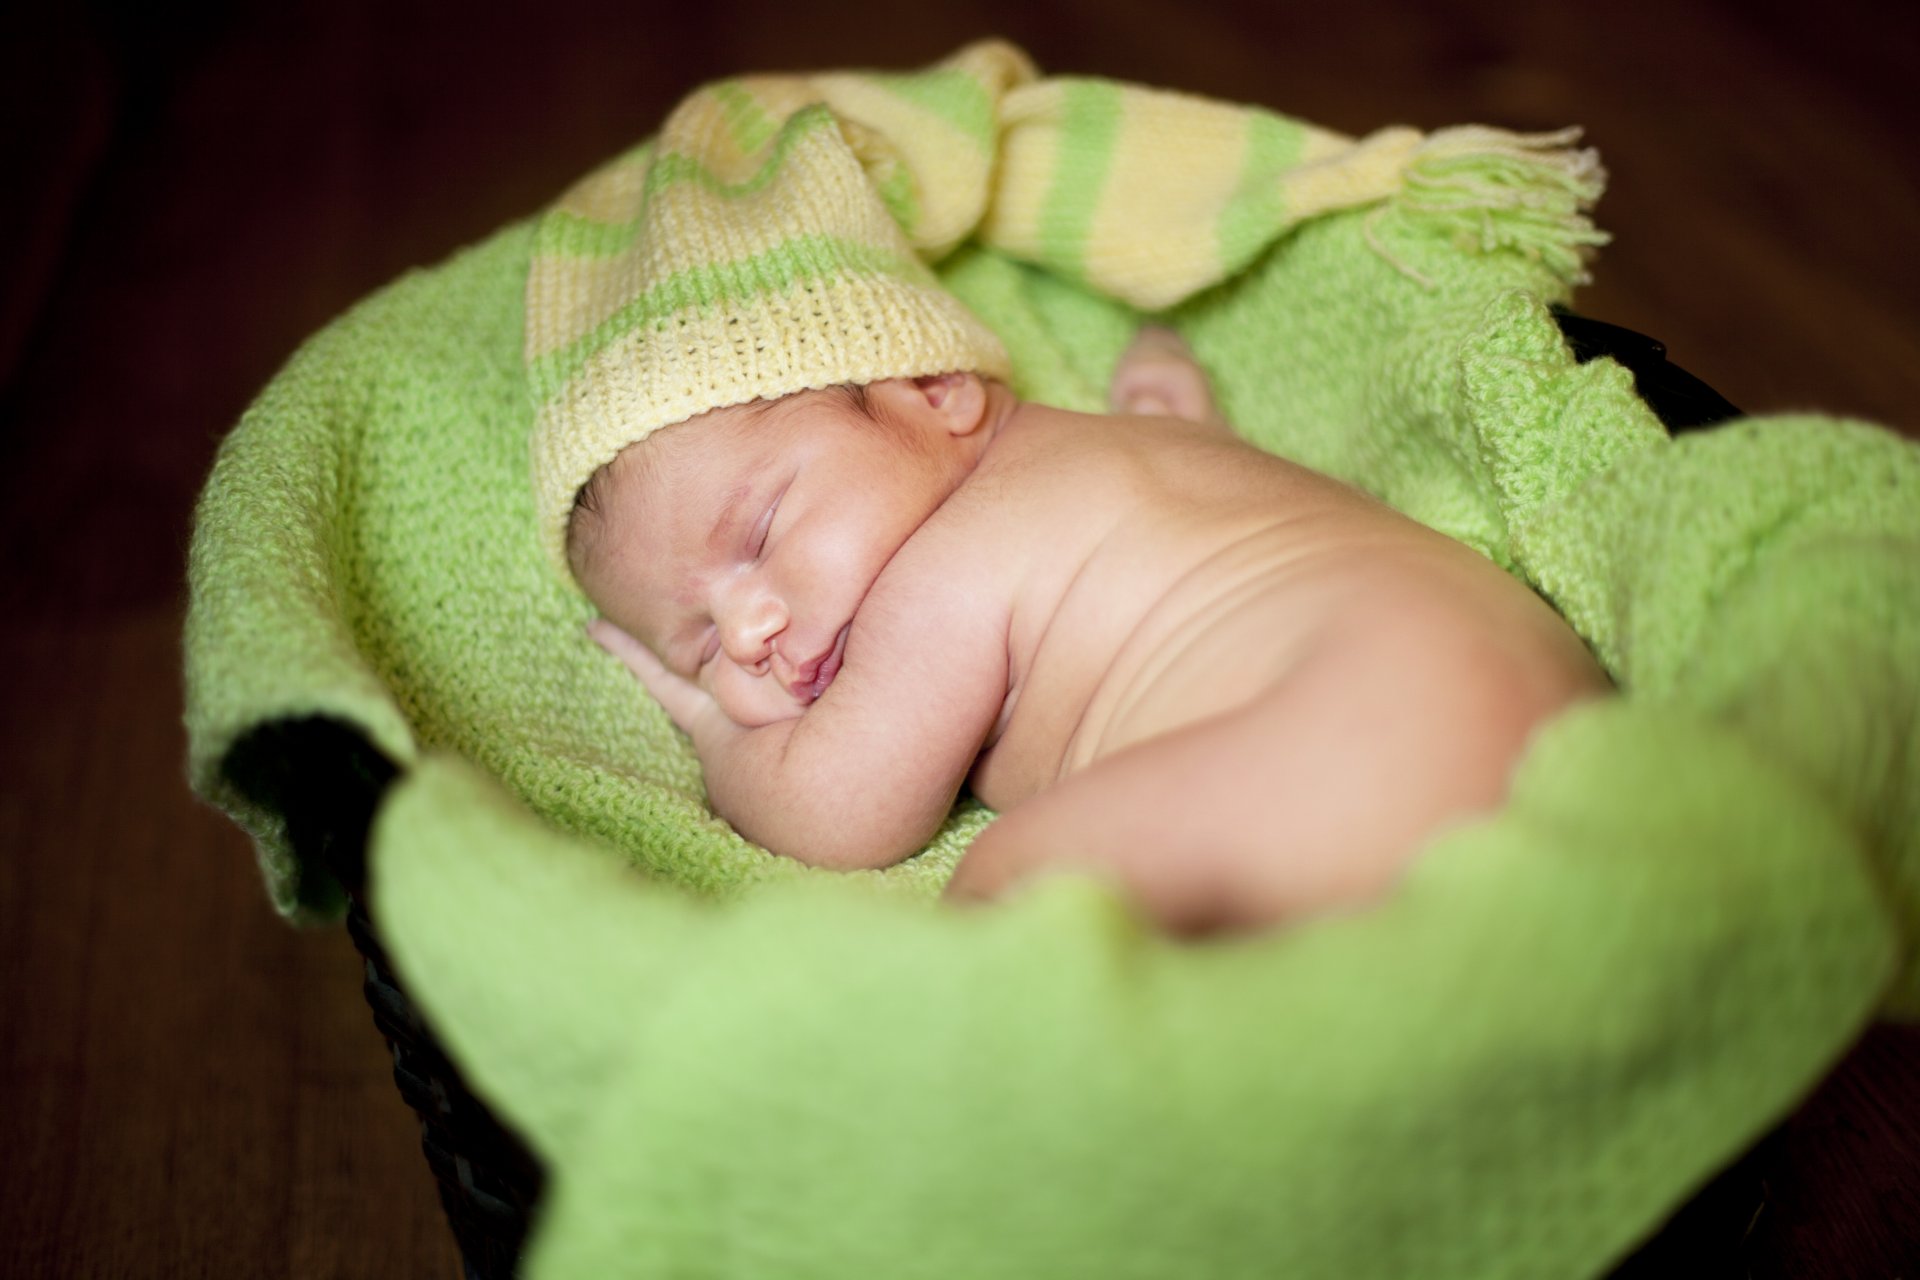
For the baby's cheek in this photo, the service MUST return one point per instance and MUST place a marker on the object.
(840, 568)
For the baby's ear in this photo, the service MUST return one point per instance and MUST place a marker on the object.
(953, 403)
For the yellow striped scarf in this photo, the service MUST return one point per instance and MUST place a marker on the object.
(778, 233)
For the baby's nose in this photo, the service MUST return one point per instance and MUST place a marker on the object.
(748, 628)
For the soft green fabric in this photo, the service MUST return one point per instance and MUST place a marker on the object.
(1567, 1018)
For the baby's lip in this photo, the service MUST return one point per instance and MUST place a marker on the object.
(818, 672)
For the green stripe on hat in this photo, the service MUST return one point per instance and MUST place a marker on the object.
(746, 119)
(896, 191)
(795, 262)
(952, 94)
(674, 168)
(571, 235)
(1090, 114)
(1247, 222)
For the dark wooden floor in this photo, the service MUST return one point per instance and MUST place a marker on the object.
(188, 1087)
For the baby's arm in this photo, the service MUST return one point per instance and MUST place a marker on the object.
(868, 773)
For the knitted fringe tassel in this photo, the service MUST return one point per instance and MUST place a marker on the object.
(1493, 189)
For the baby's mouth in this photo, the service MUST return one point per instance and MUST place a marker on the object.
(817, 673)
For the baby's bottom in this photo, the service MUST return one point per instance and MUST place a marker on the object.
(1316, 792)
(1312, 796)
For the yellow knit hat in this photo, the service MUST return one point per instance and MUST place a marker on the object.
(755, 248)
(776, 235)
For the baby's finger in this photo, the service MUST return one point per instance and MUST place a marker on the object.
(682, 700)
(638, 657)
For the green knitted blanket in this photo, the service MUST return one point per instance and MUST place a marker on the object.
(1567, 1017)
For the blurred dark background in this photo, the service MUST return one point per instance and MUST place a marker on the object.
(187, 1086)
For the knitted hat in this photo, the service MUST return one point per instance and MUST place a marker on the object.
(775, 236)
(753, 249)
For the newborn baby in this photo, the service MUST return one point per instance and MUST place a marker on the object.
(1242, 690)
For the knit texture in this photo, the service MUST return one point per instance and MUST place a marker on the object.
(1567, 1017)
(749, 252)
(776, 234)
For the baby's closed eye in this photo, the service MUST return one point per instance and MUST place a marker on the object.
(763, 528)
(757, 540)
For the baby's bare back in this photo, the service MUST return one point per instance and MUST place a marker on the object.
(1171, 577)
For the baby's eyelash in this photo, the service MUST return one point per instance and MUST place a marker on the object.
(764, 530)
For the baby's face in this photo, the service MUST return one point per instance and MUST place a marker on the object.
(738, 546)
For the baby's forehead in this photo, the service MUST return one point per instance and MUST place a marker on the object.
(681, 475)
(714, 441)
(741, 435)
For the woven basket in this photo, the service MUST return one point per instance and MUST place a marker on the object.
(328, 781)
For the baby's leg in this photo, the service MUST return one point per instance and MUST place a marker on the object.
(1313, 796)
(1157, 374)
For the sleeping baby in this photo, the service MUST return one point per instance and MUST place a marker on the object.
(1238, 689)
(784, 460)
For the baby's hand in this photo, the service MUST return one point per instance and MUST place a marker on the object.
(689, 706)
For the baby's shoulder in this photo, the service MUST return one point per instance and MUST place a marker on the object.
(1023, 503)
(1041, 475)
(1048, 454)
